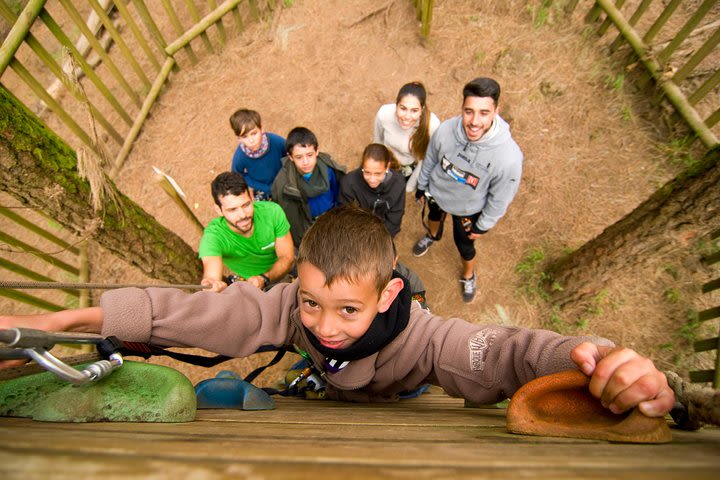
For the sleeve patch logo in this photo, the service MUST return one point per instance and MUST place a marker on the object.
(479, 345)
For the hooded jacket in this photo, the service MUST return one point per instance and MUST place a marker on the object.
(467, 177)
(387, 200)
(482, 363)
(287, 192)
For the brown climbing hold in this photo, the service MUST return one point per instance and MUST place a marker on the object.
(560, 405)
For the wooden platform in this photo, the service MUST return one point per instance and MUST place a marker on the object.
(432, 437)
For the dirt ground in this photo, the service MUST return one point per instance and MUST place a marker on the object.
(590, 154)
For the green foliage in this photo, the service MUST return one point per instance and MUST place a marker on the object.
(534, 279)
(672, 295)
(678, 152)
(672, 271)
(615, 82)
(288, 3)
(689, 331)
(557, 323)
(626, 114)
(544, 12)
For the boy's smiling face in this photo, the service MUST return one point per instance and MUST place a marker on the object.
(340, 313)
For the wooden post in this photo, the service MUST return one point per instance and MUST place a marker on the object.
(697, 57)
(27, 273)
(18, 32)
(200, 27)
(122, 46)
(179, 30)
(705, 88)
(606, 24)
(687, 29)
(144, 111)
(130, 21)
(33, 227)
(97, 48)
(671, 90)
(170, 187)
(196, 18)
(641, 9)
(86, 68)
(219, 24)
(661, 20)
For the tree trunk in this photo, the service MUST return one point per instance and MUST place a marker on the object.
(40, 170)
(684, 208)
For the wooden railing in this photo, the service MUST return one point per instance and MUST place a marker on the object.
(671, 75)
(677, 80)
(68, 261)
(141, 62)
(709, 314)
(424, 15)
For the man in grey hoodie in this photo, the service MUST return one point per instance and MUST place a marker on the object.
(472, 171)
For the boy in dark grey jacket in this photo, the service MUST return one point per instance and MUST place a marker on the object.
(353, 316)
(472, 171)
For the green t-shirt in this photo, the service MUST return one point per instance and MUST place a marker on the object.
(247, 256)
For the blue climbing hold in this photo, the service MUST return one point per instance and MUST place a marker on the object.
(228, 390)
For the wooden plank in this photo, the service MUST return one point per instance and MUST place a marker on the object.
(711, 285)
(429, 437)
(709, 313)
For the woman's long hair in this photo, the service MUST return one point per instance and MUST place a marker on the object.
(421, 138)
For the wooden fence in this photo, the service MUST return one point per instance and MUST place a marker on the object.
(64, 262)
(712, 313)
(149, 41)
(688, 75)
(119, 100)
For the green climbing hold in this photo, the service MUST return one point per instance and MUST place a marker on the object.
(135, 392)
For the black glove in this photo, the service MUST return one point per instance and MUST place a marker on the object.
(476, 230)
(419, 194)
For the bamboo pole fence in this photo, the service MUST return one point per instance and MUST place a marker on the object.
(142, 59)
(140, 64)
(79, 271)
(707, 315)
(671, 75)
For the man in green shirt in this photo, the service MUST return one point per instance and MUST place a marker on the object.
(251, 238)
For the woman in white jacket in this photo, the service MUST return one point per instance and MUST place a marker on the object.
(405, 127)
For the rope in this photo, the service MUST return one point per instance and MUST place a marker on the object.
(695, 405)
(100, 286)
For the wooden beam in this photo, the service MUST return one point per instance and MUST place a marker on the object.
(19, 30)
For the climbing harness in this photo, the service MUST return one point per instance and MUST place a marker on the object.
(28, 343)
(425, 205)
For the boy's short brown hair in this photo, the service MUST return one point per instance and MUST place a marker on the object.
(244, 120)
(349, 243)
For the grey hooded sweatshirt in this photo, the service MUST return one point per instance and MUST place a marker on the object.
(467, 177)
(482, 363)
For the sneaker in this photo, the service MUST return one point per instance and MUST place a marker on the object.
(422, 246)
(468, 288)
